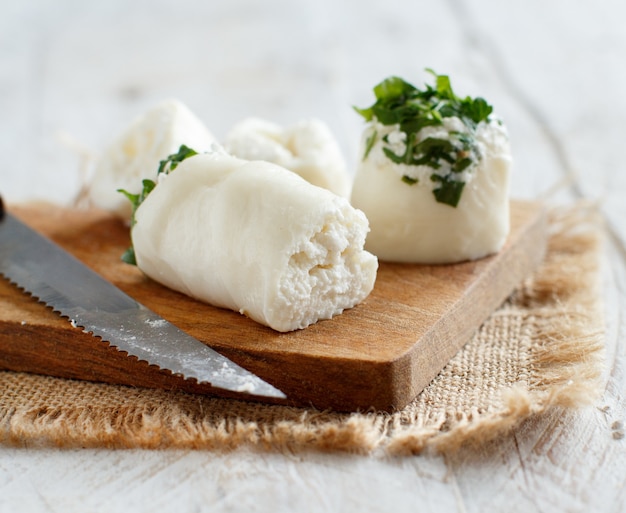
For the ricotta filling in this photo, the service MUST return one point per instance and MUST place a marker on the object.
(324, 275)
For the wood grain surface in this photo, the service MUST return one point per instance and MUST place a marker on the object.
(378, 355)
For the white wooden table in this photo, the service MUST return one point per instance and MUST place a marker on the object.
(73, 73)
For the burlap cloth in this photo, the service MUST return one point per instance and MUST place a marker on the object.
(541, 349)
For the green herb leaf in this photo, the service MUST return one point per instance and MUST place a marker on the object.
(129, 256)
(392, 88)
(408, 180)
(432, 150)
(174, 159)
(444, 88)
(369, 143)
(462, 164)
(137, 199)
(367, 114)
(449, 192)
(398, 159)
(133, 198)
(165, 166)
(477, 110)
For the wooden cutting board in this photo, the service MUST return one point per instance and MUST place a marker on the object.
(378, 355)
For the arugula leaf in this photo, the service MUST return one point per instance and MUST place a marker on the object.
(412, 109)
(165, 166)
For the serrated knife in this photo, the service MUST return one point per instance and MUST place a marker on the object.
(59, 280)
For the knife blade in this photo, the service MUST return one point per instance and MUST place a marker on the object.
(61, 281)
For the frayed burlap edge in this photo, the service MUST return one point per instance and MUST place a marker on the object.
(562, 301)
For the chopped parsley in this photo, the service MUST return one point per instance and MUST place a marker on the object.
(412, 109)
(166, 166)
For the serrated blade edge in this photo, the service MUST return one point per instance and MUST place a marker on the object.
(59, 280)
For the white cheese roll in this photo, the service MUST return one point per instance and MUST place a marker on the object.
(255, 238)
(135, 154)
(407, 223)
(307, 148)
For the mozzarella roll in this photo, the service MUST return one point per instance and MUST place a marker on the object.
(307, 148)
(135, 154)
(407, 222)
(255, 238)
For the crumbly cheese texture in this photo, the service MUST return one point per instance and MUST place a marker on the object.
(135, 154)
(307, 148)
(255, 238)
(408, 224)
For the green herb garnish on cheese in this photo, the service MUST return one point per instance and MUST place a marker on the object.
(166, 166)
(418, 116)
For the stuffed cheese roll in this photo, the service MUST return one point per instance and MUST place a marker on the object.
(136, 152)
(307, 148)
(255, 238)
(434, 175)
